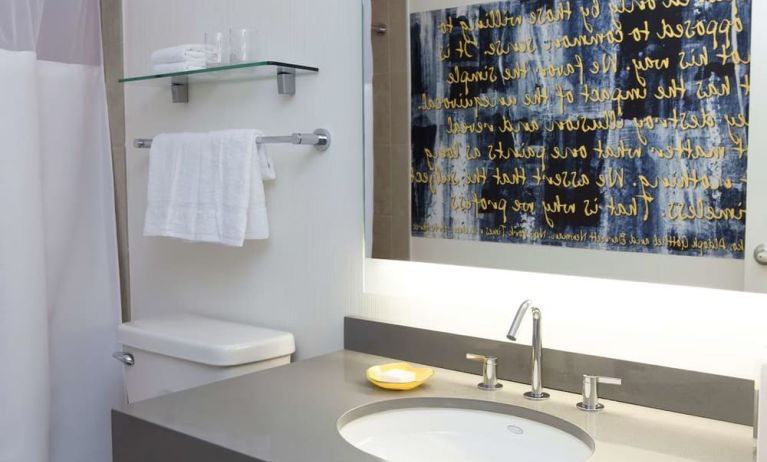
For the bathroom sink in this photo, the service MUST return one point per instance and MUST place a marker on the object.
(449, 429)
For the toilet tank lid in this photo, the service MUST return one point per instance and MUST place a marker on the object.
(205, 340)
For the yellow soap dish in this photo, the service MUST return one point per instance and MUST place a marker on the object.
(376, 375)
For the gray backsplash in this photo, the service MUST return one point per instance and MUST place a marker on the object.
(688, 392)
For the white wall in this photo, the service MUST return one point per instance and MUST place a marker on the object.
(309, 272)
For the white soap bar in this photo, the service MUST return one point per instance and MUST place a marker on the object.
(397, 376)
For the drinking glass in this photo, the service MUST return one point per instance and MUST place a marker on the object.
(217, 47)
(243, 43)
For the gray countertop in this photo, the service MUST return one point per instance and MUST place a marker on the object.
(290, 413)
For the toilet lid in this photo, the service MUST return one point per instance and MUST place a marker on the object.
(205, 340)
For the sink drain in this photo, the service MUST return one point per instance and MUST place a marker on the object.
(514, 429)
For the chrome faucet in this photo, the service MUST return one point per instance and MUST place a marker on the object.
(536, 393)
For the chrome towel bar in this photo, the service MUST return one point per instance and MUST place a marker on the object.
(320, 139)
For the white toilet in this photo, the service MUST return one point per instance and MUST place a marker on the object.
(172, 353)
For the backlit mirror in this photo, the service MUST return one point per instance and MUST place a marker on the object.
(604, 138)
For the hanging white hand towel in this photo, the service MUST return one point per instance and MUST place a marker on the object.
(258, 224)
(200, 186)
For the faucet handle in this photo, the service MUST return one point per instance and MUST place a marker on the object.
(590, 393)
(476, 357)
(609, 380)
(489, 378)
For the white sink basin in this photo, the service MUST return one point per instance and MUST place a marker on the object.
(447, 429)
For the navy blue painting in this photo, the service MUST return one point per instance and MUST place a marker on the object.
(601, 124)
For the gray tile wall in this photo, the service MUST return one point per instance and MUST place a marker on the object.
(112, 42)
(391, 132)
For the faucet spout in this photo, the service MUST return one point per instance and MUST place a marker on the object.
(536, 393)
(512, 335)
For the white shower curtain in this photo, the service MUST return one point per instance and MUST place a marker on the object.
(59, 295)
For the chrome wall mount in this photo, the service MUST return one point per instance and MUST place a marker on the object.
(590, 392)
(489, 378)
(142, 143)
(379, 28)
(179, 89)
(760, 254)
(319, 138)
(286, 81)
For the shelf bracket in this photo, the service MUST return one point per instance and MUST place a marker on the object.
(286, 81)
(179, 89)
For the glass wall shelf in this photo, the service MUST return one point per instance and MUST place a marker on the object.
(285, 73)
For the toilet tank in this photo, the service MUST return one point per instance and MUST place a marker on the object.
(176, 352)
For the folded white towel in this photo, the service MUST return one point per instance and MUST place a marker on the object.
(180, 53)
(200, 186)
(178, 67)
